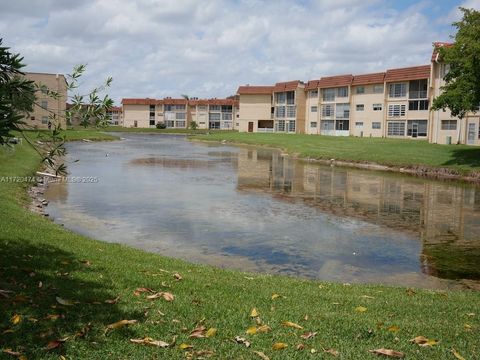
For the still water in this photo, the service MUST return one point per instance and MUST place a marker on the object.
(259, 210)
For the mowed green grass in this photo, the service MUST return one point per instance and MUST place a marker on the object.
(392, 152)
(40, 261)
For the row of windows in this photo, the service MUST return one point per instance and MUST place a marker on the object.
(329, 124)
(280, 125)
(415, 128)
(285, 111)
(393, 110)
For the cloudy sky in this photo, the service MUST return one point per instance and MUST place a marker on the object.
(157, 48)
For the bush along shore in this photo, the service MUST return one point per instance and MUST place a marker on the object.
(65, 296)
(415, 157)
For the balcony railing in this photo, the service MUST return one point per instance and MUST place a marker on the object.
(265, 130)
(417, 94)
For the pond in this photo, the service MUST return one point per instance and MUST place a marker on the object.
(259, 210)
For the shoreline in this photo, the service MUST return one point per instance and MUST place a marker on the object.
(420, 171)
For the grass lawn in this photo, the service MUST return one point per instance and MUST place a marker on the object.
(392, 152)
(60, 291)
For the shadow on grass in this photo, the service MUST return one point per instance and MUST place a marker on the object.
(31, 277)
(470, 157)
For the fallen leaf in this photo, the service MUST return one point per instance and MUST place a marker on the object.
(177, 277)
(332, 352)
(457, 355)
(243, 341)
(11, 352)
(16, 319)
(423, 341)
(387, 352)
(151, 342)
(393, 328)
(264, 329)
(360, 309)
(300, 347)
(471, 314)
(252, 330)
(254, 313)
(211, 332)
(275, 296)
(367, 297)
(198, 332)
(84, 331)
(138, 291)
(279, 346)
(86, 262)
(184, 346)
(64, 301)
(7, 331)
(112, 301)
(308, 335)
(55, 344)
(261, 355)
(166, 295)
(291, 324)
(53, 316)
(410, 292)
(203, 353)
(5, 293)
(120, 324)
(305, 317)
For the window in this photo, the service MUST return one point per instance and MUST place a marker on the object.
(227, 116)
(170, 123)
(291, 111)
(396, 110)
(152, 108)
(327, 124)
(313, 124)
(168, 107)
(44, 119)
(341, 125)
(397, 90)
(313, 108)
(44, 104)
(342, 111)
(418, 105)
(378, 89)
(227, 108)
(180, 124)
(291, 126)
(215, 107)
(32, 118)
(376, 125)
(280, 125)
(214, 116)
(202, 108)
(327, 110)
(313, 93)
(328, 94)
(152, 122)
(280, 110)
(377, 107)
(179, 107)
(342, 91)
(280, 98)
(152, 115)
(360, 107)
(180, 116)
(396, 128)
(360, 90)
(417, 89)
(449, 124)
(417, 128)
(359, 124)
(290, 97)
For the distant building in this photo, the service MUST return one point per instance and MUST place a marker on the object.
(48, 109)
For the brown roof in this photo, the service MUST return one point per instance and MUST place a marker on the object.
(254, 90)
(408, 73)
(437, 45)
(287, 86)
(335, 81)
(146, 101)
(365, 79)
(115, 108)
(312, 85)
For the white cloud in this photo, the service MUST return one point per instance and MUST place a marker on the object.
(162, 48)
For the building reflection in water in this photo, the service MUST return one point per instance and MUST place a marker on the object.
(444, 216)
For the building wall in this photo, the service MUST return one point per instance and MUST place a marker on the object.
(254, 108)
(300, 101)
(48, 109)
(368, 116)
(312, 118)
(136, 113)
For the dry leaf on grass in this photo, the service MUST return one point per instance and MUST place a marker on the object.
(151, 342)
(55, 344)
(120, 324)
(64, 301)
(332, 352)
(211, 332)
(254, 313)
(251, 330)
(165, 295)
(393, 328)
(16, 319)
(138, 291)
(300, 347)
(264, 329)
(243, 341)
(279, 346)
(178, 277)
(308, 335)
(361, 309)
(423, 341)
(261, 355)
(112, 301)
(457, 355)
(198, 332)
(291, 324)
(388, 352)
(11, 352)
(184, 346)
(275, 296)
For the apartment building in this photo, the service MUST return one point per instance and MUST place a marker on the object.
(48, 109)
(179, 113)
(278, 108)
(115, 116)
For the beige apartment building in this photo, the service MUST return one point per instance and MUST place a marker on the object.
(179, 113)
(48, 109)
(395, 104)
(115, 116)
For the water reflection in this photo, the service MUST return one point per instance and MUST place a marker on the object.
(445, 216)
(256, 210)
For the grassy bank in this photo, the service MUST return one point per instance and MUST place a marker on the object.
(60, 291)
(391, 152)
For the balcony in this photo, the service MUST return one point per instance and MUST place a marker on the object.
(417, 94)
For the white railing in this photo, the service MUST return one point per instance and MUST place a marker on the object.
(265, 130)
